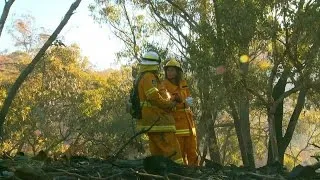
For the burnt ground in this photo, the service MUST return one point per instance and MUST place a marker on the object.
(153, 167)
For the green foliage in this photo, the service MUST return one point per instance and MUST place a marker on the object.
(66, 105)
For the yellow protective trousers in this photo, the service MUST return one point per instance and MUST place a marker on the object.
(188, 146)
(165, 144)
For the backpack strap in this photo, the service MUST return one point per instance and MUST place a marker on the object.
(136, 81)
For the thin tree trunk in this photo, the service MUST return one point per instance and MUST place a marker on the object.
(245, 129)
(235, 116)
(212, 138)
(5, 13)
(272, 135)
(204, 154)
(278, 90)
(237, 126)
(213, 146)
(292, 123)
(244, 113)
(224, 145)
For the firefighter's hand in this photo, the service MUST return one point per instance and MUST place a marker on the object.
(189, 101)
(176, 98)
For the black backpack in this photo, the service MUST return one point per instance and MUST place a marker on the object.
(134, 99)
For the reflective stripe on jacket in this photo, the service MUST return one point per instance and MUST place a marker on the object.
(155, 105)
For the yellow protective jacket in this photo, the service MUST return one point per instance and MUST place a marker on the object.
(182, 113)
(156, 106)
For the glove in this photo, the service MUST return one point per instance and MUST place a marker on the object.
(189, 101)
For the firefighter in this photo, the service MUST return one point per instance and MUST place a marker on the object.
(185, 125)
(155, 110)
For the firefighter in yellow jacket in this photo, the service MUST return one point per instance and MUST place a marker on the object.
(179, 91)
(156, 110)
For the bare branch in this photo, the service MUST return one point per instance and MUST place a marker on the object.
(282, 42)
(77, 175)
(170, 34)
(185, 15)
(167, 22)
(288, 93)
(315, 145)
(122, 32)
(181, 51)
(259, 96)
(133, 137)
(153, 176)
(132, 31)
(308, 143)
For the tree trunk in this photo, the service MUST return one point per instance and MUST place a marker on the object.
(274, 153)
(213, 144)
(241, 121)
(278, 90)
(209, 116)
(204, 154)
(224, 145)
(292, 123)
(237, 126)
(244, 117)
(5, 13)
(245, 130)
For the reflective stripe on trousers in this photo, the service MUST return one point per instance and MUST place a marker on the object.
(179, 161)
(159, 128)
(185, 131)
(185, 109)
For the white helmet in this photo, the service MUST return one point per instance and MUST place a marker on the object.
(150, 58)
